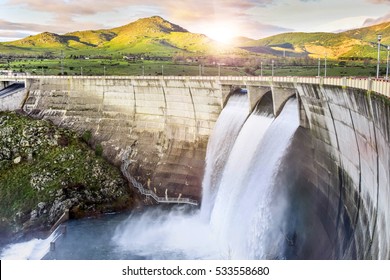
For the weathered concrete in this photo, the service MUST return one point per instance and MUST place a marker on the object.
(347, 163)
(165, 123)
(280, 95)
(13, 99)
(255, 94)
(4, 84)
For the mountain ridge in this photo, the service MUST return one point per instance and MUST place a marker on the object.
(153, 35)
(355, 43)
(157, 36)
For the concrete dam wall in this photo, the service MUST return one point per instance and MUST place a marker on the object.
(163, 124)
(337, 172)
(343, 161)
(12, 96)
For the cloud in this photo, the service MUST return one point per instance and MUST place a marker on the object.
(33, 28)
(379, 1)
(8, 25)
(261, 30)
(374, 21)
(70, 8)
(68, 15)
(10, 34)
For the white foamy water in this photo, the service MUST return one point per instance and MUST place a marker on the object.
(158, 234)
(246, 223)
(236, 175)
(220, 144)
(34, 249)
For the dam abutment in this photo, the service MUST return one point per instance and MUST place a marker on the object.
(350, 165)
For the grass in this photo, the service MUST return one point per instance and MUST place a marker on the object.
(335, 71)
(121, 67)
(52, 159)
(112, 67)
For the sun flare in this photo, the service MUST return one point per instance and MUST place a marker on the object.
(222, 32)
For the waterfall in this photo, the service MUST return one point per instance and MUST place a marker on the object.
(237, 173)
(244, 214)
(34, 249)
(220, 144)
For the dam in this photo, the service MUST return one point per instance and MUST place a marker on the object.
(329, 195)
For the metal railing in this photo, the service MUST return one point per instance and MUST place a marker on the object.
(124, 168)
(380, 86)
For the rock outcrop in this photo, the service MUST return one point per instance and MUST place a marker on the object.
(45, 170)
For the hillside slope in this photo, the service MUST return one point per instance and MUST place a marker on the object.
(152, 35)
(359, 43)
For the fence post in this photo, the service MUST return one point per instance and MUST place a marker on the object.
(52, 246)
(369, 85)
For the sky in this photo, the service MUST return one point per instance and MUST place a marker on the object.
(218, 19)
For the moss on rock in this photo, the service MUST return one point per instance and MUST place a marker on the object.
(45, 170)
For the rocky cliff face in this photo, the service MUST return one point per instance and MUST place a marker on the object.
(45, 170)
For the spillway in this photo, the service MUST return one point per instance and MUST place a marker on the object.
(219, 147)
(243, 212)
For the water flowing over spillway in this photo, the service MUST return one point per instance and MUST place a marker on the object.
(237, 217)
(220, 145)
(241, 212)
(34, 249)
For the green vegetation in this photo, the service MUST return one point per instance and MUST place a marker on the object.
(99, 150)
(110, 67)
(353, 44)
(44, 170)
(153, 35)
(154, 46)
(233, 67)
(369, 34)
(156, 37)
(86, 136)
(335, 69)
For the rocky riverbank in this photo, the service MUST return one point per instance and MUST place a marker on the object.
(45, 170)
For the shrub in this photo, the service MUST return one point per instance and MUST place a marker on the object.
(86, 136)
(99, 150)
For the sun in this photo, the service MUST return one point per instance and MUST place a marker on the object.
(222, 32)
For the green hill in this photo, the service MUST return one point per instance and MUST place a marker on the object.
(360, 43)
(333, 45)
(241, 41)
(369, 34)
(158, 37)
(152, 35)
